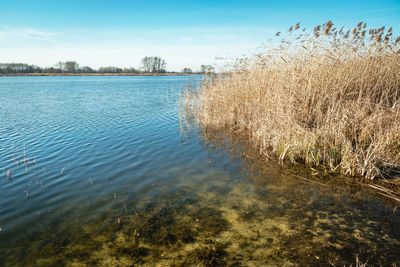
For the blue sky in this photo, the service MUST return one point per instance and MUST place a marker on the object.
(185, 33)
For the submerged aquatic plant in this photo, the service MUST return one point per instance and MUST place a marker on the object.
(328, 98)
(209, 255)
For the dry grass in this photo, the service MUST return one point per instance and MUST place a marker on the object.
(327, 98)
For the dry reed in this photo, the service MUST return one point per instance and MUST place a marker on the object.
(327, 98)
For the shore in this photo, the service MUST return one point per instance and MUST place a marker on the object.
(334, 108)
(100, 74)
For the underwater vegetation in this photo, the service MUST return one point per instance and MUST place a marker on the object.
(290, 224)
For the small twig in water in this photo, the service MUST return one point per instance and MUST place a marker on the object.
(90, 180)
(308, 180)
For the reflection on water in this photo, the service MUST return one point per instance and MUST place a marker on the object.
(129, 193)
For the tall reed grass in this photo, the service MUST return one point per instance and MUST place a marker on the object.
(326, 97)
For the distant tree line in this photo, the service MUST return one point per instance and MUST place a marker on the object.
(18, 68)
(149, 65)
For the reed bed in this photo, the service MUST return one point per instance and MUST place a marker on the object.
(325, 97)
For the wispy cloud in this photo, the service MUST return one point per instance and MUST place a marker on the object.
(181, 47)
(30, 33)
(27, 33)
(372, 11)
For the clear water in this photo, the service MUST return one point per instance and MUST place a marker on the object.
(94, 171)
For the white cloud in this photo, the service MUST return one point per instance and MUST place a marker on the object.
(382, 10)
(27, 32)
(30, 33)
(179, 47)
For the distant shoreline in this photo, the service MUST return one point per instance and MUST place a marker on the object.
(97, 74)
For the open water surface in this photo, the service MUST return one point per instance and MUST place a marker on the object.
(94, 171)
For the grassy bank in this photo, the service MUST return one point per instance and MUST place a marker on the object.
(327, 98)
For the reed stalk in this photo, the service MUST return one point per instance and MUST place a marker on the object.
(327, 98)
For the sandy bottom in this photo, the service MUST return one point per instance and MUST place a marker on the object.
(276, 221)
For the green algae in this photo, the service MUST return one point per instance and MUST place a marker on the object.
(210, 221)
(209, 255)
(286, 225)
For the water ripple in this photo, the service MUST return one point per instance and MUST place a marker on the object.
(61, 131)
(91, 143)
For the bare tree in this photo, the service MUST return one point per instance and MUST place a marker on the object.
(71, 66)
(68, 66)
(187, 70)
(59, 65)
(207, 69)
(153, 64)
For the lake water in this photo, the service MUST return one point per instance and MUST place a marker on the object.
(94, 171)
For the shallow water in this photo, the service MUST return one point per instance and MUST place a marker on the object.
(94, 171)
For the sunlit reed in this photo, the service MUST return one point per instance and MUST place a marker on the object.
(328, 98)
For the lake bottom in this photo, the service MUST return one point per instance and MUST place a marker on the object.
(218, 220)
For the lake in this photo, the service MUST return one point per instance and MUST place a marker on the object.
(95, 171)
